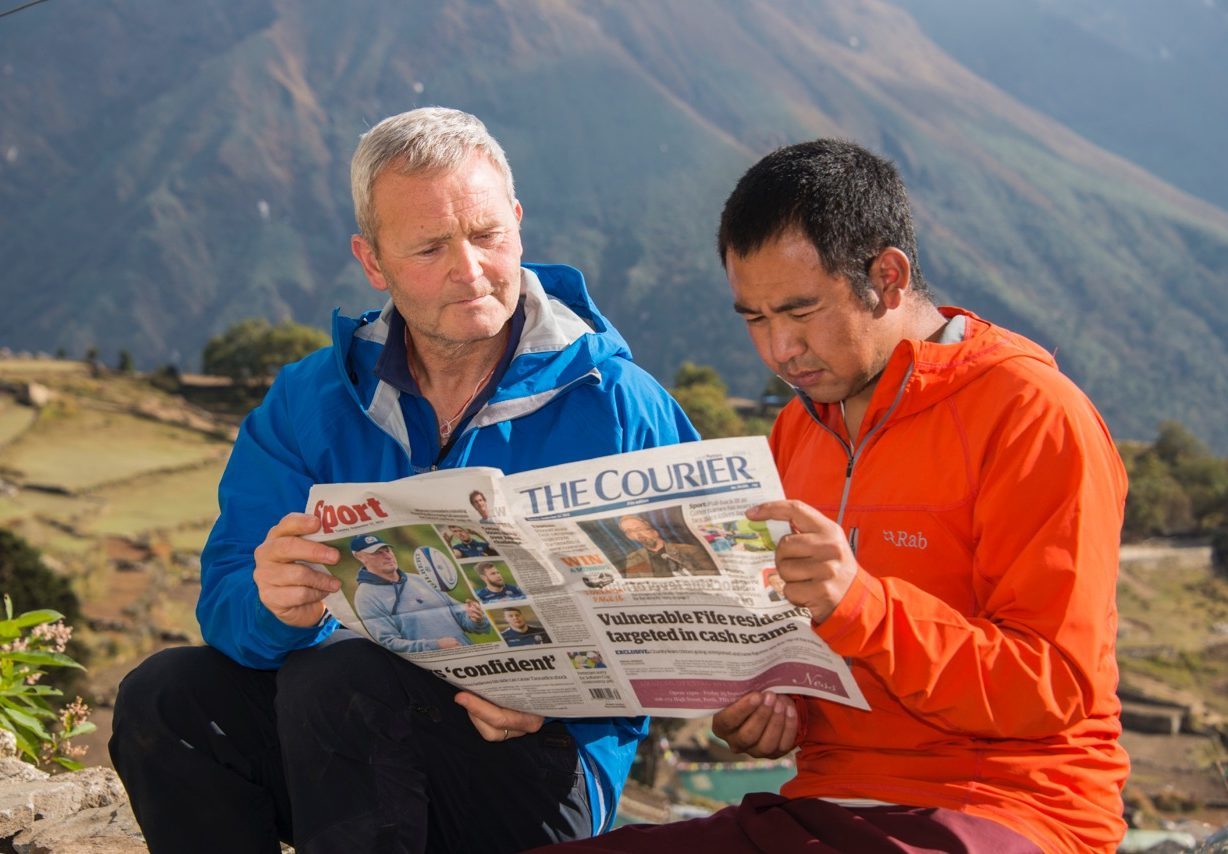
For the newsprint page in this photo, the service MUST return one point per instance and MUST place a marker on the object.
(625, 585)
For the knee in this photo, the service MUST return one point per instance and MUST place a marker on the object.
(332, 673)
(167, 677)
(329, 681)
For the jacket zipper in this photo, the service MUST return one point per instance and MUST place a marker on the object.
(854, 452)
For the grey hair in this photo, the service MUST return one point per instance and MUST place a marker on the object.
(428, 139)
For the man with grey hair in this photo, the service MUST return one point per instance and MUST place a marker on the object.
(288, 728)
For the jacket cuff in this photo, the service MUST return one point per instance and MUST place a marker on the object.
(284, 638)
(856, 618)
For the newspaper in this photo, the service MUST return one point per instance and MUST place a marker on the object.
(625, 585)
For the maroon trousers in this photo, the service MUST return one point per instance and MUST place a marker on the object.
(769, 824)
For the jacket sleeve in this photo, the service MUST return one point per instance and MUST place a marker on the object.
(264, 480)
(1038, 651)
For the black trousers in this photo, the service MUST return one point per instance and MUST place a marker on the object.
(346, 748)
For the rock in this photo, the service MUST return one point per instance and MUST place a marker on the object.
(35, 394)
(14, 770)
(35, 806)
(1144, 717)
(101, 830)
(22, 803)
(100, 787)
(1216, 843)
(1156, 841)
(8, 743)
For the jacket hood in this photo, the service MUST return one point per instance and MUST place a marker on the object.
(365, 576)
(920, 374)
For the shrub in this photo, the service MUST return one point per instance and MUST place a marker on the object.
(29, 643)
(25, 578)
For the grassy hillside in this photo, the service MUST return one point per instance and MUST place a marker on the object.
(168, 171)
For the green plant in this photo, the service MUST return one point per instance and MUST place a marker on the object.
(254, 349)
(29, 643)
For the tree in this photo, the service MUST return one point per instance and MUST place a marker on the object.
(30, 583)
(701, 393)
(253, 349)
(1176, 486)
(690, 375)
(1219, 552)
(124, 366)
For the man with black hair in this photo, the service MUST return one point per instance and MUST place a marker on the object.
(955, 505)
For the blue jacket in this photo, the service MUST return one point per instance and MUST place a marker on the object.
(570, 393)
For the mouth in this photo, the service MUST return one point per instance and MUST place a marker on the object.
(802, 379)
(471, 301)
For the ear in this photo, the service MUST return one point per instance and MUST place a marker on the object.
(365, 253)
(891, 276)
(518, 210)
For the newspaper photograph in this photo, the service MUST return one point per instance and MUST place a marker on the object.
(624, 585)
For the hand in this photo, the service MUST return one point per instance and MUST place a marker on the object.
(815, 561)
(761, 724)
(495, 723)
(474, 610)
(293, 592)
(447, 643)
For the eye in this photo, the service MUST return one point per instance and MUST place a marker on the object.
(803, 314)
(429, 252)
(752, 319)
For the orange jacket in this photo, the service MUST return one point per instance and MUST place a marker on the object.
(984, 501)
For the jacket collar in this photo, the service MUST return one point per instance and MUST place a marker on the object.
(920, 374)
(564, 340)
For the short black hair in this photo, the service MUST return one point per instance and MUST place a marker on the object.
(848, 201)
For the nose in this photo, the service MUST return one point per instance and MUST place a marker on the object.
(468, 263)
(785, 341)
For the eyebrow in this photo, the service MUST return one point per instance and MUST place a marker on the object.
(786, 306)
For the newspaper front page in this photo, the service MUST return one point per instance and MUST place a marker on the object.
(624, 585)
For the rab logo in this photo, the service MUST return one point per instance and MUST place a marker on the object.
(906, 540)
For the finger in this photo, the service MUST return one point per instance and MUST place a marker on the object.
(826, 545)
(291, 549)
(730, 718)
(800, 515)
(495, 723)
(749, 732)
(498, 717)
(772, 738)
(286, 598)
(295, 575)
(295, 525)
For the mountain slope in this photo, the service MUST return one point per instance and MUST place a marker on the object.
(164, 173)
(1139, 78)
